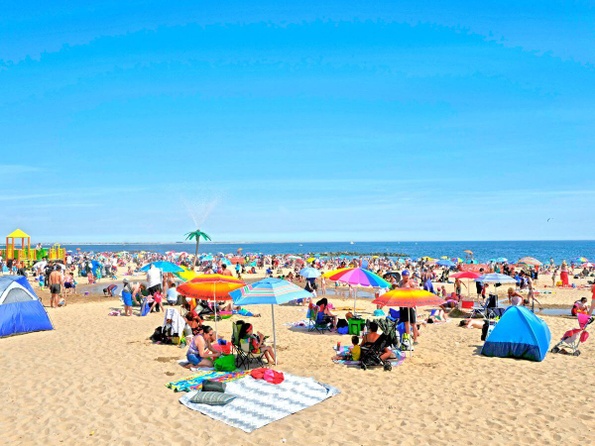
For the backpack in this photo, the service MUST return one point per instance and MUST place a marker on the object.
(342, 323)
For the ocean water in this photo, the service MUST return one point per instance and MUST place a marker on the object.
(482, 251)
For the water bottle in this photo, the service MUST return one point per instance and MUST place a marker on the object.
(338, 346)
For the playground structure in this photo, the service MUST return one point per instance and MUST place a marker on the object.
(24, 253)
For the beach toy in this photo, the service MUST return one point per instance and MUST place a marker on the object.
(86, 293)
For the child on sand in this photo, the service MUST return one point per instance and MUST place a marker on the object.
(353, 354)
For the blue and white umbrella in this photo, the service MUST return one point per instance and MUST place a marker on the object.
(271, 291)
(166, 267)
(445, 262)
(310, 273)
(495, 278)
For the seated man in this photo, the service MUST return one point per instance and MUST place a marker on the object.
(172, 294)
(370, 338)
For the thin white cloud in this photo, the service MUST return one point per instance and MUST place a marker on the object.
(29, 196)
(17, 169)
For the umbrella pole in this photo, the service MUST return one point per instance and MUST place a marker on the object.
(354, 298)
(410, 329)
(215, 310)
(274, 334)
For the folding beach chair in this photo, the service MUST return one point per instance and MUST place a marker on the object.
(317, 321)
(244, 355)
(484, 311)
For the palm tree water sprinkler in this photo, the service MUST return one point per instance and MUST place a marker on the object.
(196, 235)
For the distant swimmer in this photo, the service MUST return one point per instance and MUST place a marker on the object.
(548, 220)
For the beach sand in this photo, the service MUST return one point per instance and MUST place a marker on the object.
(97, 379)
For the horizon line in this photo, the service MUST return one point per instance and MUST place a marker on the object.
(311, 242)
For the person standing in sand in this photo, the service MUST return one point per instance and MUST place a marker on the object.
(154, 279)
(592, 300)
(55, 280)
(564, 273)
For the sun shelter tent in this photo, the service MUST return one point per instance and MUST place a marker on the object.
(519, 334)
(21, 310)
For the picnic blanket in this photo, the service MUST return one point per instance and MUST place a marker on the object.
(259, 403)
(195, 381)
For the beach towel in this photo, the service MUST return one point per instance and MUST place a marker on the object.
(259, 403)
(145, 308)
(195, 381)
(299, 324)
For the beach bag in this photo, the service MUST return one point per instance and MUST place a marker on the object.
(226, 363)
(343, 330)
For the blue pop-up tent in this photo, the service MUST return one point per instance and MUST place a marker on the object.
(519, 334)
(21, 310)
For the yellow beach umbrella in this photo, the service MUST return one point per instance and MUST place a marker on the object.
(187, 274)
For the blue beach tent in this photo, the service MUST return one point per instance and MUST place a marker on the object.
(21, 310)
(519, 334)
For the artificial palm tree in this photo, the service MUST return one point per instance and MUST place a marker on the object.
(197, 235)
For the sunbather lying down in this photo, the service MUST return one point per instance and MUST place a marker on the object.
(471, 323)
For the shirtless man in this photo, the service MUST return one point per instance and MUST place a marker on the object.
(55, 280)
(225, 271)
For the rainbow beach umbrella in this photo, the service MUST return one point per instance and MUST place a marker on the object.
(359, 277)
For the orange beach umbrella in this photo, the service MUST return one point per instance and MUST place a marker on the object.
(211, 286)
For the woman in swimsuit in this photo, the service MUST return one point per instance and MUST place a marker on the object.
(200, 351)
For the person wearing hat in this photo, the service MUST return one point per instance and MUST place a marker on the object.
(127, 297)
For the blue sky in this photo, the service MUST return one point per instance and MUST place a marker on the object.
(279, 121)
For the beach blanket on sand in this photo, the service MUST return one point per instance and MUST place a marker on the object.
(259, 403)
(304, 323)
(195, 381)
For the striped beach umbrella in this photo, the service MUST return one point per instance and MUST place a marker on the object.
(270, 291)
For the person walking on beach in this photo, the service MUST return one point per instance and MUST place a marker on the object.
(479, 285)
(55, 281)
(458, 285)
(530, 291)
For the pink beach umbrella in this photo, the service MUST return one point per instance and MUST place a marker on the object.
(466, 275)
(359, 277)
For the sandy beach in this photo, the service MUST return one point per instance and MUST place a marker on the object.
(97, 379)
